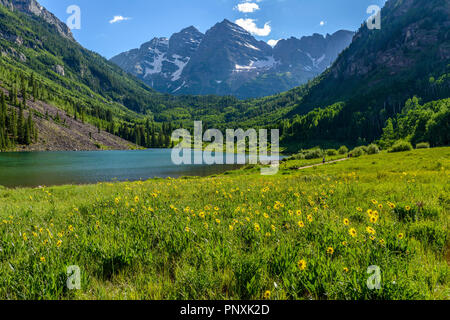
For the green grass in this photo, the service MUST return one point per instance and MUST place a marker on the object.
(237, 236)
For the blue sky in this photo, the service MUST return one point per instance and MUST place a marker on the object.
(138, 21)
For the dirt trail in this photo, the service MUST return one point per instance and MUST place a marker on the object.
(321, 164)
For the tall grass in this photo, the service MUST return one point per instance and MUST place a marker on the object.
(297, 235)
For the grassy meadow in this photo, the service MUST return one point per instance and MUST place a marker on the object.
(301, 234)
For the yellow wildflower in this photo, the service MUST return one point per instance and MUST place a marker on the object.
(302, 265)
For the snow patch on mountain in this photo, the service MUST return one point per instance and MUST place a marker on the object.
(181, 64)
(156, 65)
(316, 61)
(180, 87)
(267, 63)
(248, 45)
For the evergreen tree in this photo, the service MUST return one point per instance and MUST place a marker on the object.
(23, 90)
(388, 136)
(167, 141)
(2, 139)
(20, 127)
(154, 142)
(13, 126)
(29, 132)
(3, 109)
(34, 87)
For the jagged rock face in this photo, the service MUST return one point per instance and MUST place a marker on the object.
(161, 61)
(59, 70)
(32, 7)
(314, 53)
(413, 27)
(229, 60)
(382, 68)
(226, 57)
(185, 42)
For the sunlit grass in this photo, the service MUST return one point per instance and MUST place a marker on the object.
(302, 234)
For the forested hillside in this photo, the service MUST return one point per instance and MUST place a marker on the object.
(372, 80)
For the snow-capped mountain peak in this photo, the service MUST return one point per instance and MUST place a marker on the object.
(227, 59)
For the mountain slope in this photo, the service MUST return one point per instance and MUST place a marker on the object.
(372, 79)
(33, 8)
(60, 131)
(29, 40)
(160, 62)
(412, 45)
(229, 60)
(38, 52)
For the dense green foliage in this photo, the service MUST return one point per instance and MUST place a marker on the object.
(16, 125)
(423, 145)
(418, 123)
(373, 149)
(401, 146)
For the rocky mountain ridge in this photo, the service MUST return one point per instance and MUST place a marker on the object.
(228, 60)
(32, 7)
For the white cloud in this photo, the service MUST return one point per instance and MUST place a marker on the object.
(272, 42)
(118, 19)
(250, 26)
(247, 7)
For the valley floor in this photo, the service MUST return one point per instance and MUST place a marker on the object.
(302, 234)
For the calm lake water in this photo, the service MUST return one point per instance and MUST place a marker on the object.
(32, 169)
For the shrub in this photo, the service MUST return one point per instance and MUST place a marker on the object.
(423, 145)
(343, 150)
(313, 154)
(308, 154)
(298, 156)
(331, 152)
(373, 149)
(401, 146)
(357, 152)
